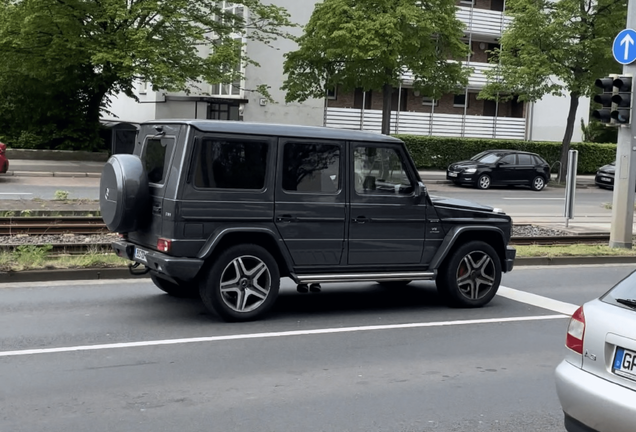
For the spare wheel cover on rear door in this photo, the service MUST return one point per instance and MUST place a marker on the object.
(123, 193)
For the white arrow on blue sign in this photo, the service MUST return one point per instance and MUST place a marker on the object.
(624, 48)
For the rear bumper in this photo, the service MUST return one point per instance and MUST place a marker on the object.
(592, 404)
(511, 253)
(176, 268)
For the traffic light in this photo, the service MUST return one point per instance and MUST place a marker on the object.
(604, 114)
(622, 100)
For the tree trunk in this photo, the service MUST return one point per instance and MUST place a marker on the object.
(387, 93)
(567, 138)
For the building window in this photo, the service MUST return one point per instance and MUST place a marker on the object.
(332, 94)
(467, 2)
(223, 111)
(459, 101)
(428, 101)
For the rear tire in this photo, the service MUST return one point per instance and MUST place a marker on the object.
(180, 290)
(470, 277)
(538, 183)
(242, 283)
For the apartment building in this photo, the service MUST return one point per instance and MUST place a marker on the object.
(454, 115)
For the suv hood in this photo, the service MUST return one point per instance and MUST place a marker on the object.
(459, 203)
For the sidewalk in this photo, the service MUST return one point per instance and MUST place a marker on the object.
(40, 168)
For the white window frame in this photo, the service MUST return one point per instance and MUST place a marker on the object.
(428, 101)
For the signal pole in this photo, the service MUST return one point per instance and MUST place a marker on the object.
(625, 177)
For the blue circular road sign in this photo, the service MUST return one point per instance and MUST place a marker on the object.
(624, 48)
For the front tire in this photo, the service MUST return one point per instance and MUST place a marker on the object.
(538, 183)
(242, 283)
(483, 182)
(470, 277)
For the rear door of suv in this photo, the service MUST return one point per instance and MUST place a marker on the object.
(310, 200)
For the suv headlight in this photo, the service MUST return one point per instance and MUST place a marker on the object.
(470, 170)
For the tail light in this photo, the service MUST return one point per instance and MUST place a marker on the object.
(576, 331)
(3, 147)
(163, 245)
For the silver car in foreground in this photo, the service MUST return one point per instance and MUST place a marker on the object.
(596, 382)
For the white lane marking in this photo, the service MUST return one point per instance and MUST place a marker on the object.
(524, 199)
(272, 335)
(537, 300)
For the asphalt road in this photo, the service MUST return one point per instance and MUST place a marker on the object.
(590, 202)
(122, 356)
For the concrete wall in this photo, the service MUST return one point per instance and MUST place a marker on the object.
(128, 110)
(310, 112)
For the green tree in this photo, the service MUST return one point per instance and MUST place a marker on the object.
(555, 47)
(370, 44)
(89, 50)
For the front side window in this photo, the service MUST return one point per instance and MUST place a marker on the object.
(230, 164)
(380, 170)
(507, 160)
(311, 168)
(156, 158)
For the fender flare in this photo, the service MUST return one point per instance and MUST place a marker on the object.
(452, 236)
(210, 246)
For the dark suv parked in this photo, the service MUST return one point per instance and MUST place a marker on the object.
(225, 209)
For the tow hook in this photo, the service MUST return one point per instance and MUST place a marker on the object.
(132, 267)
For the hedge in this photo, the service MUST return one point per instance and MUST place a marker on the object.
(431, 152)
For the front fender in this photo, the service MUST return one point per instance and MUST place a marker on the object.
(453, 235)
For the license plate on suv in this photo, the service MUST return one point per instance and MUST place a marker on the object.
(625, 363)
(140, 254)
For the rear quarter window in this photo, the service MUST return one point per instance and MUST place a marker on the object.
(230, 164)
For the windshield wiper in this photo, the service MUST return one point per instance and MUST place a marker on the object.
(627, 302)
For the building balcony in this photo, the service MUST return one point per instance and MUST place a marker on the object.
(417, 123)
(483, 23)
(476, 81)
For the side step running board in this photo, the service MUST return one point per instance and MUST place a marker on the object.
(363, 277)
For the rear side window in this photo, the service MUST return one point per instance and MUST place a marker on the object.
(525, 159)
(539, 161)
(230, 164)
(156, 158)
(311, 168)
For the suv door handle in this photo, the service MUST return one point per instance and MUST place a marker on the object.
(362, 219)
(285, 218)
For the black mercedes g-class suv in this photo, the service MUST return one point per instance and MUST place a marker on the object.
(225, 209)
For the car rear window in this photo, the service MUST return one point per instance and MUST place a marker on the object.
(156, 157)
(625, 289)
(230, 164)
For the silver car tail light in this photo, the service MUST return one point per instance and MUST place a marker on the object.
(576, 331)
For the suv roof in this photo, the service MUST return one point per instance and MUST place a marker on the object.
(278, 130)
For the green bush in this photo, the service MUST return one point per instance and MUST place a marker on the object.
(431, 152)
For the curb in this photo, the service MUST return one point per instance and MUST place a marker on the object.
(123, 273)
(51, 174)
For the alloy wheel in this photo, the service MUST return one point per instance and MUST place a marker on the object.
(476, 275)
(484, 182)
(538, 183)
(245, 283)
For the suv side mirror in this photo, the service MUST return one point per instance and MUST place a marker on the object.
(420, 189)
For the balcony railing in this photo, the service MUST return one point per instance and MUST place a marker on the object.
(484, 22)
(477, 79)
(447, 125)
